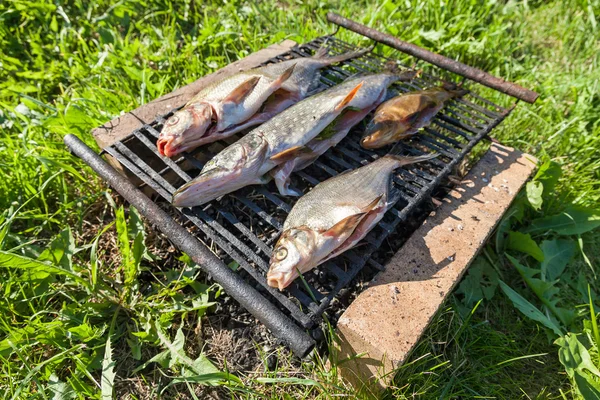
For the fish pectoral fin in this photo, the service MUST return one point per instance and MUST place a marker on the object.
(412, 119)
(242, 91)
(284, 77)
(289, 154)
(345, 226)
(348, 97)
(372, 205)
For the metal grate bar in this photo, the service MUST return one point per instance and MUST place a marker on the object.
(230, 237)
(259, 211)
(448, 139)
(250, 235)
(166, 160)
(138, 172)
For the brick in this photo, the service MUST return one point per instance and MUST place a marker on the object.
(388, 318)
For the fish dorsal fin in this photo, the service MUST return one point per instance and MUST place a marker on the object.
(289, 154)
(372, 205)
(242, 91)
(321, 52)
(348, 97)
(285, 76)
(345, 226)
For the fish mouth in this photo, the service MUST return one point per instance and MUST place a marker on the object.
(186, 130)
(281, 280)
(379, 134)
(171, 146)
(207, 186)
(166, 147)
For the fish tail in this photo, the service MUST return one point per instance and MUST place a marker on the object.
(454, 89)
(321, 55)
(391, 67)
(406, 160)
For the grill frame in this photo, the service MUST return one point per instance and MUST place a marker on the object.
(213, 219)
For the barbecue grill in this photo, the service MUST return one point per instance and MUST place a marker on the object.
(232, 238)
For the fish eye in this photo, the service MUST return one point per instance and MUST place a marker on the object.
(281, 254)
(173, 120)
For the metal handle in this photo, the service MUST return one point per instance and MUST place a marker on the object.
(446, 63)
(281, 326)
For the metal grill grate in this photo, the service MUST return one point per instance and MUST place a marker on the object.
(241, 228)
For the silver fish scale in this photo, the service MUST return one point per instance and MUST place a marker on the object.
(293, 126)
(300, 80)
(371, 89)
(343, 195)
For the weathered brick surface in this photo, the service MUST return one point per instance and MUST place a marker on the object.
(389, 317)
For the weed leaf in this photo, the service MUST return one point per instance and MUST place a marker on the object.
(589, 389)
(574, 356)
(175, 354)
(481, 282)
(574, 220)
(524, 243)
(548, 175)
(10, 260)
(516, 212)
(135, 225)
(534, 192)
(60, 390)
(545, 291)
(122, 234)
(529, 309)
(61, 249)
(557, 254)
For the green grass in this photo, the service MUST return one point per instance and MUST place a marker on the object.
(67, 67)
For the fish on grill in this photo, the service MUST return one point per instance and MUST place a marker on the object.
(243, 100)
(402, 116)
(333, 217)
(372, 93)
(282, 138)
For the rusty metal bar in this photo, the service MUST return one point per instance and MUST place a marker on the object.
(446, 63)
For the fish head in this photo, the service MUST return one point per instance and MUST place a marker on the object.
(294, 254)
(235, 167)
(381, 132)
(185, 129)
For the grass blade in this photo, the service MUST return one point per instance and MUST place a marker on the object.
(291, 381)
(108, 365)
(593, 319)
(585, 257)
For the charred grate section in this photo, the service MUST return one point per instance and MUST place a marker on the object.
(241, 228)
